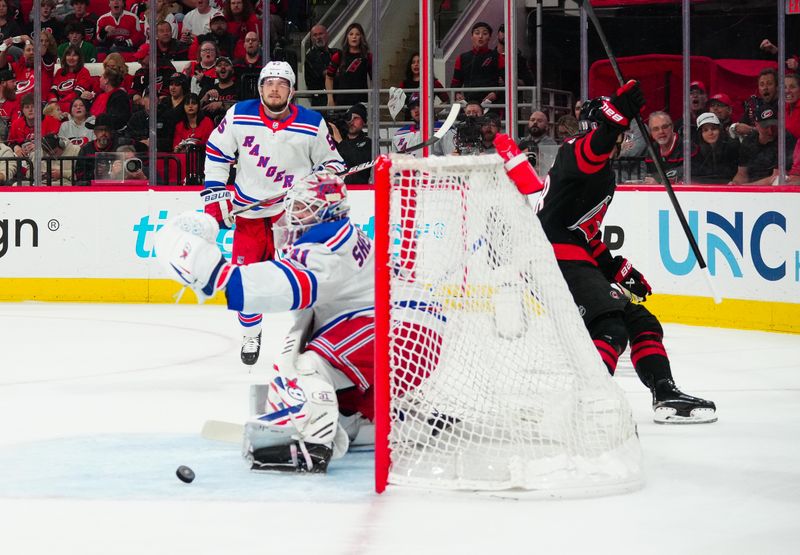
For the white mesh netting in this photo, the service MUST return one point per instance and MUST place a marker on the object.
(495, 383)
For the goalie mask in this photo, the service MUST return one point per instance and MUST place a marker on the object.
(591, 113)
(319, 198)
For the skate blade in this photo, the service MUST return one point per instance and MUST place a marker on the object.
(668, 415)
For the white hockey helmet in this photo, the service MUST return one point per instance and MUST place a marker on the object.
(321, 197)
(277, 69)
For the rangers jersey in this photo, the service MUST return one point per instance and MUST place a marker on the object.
(269, 154)
(329, 269)
(411, 135)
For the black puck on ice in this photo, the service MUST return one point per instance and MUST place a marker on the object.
(185, 474)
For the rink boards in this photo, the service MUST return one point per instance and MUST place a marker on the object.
(97, 246)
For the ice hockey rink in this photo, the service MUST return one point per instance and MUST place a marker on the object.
(101, 403)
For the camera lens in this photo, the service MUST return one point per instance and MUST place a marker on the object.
(133, 165)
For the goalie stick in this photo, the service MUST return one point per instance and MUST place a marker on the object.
(437, 136)
(232, 432)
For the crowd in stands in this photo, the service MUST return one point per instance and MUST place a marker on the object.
(96, 100)
(95, 93)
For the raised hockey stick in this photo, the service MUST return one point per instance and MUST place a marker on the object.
(437, 136)
(653, 154)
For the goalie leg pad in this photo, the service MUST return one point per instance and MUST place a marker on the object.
(298, 407)
(293, 457)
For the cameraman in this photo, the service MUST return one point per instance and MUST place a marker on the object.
(128, 166)
(475, 135)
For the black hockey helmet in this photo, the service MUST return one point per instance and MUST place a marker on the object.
(591, 113)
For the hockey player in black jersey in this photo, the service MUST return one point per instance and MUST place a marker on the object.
(608, 289)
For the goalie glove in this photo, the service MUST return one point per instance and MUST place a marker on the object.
(517, 166)
(631, 280)
(624, 105)
(217, 204)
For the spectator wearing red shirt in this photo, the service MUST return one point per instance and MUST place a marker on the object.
(114, 101)
(71, 80)
(23, 67)
(195, 127)
(204, 69)
(21, 135)
(52, 118)
(118, 30)
(115, 61)
(241, 18)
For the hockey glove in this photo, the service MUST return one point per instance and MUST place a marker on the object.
(631, 280)
(517, 166)
(628, 101)
(217, 201)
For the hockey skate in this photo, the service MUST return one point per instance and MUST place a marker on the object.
(251, 347)
(672, 406)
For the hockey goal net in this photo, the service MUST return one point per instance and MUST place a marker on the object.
(486, 378)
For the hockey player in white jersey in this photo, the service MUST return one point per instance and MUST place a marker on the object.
(272, 143)
(411, 134)
(325, 268)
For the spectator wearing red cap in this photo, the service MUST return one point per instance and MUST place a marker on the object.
(720, 105)
(698, 100)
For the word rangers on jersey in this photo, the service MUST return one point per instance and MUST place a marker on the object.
(263, 162)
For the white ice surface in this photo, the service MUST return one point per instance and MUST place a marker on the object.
(99, 404)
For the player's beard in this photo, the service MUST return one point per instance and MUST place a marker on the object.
(275, 108)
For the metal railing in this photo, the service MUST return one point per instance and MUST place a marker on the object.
(172, 169)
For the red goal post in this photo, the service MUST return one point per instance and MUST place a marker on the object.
(485, 376)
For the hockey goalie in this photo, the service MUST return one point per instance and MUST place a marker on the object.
(321, 392)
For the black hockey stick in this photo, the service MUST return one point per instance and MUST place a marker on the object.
(437, 136)
(653, 154)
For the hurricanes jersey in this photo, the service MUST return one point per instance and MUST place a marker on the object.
(578, 190)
